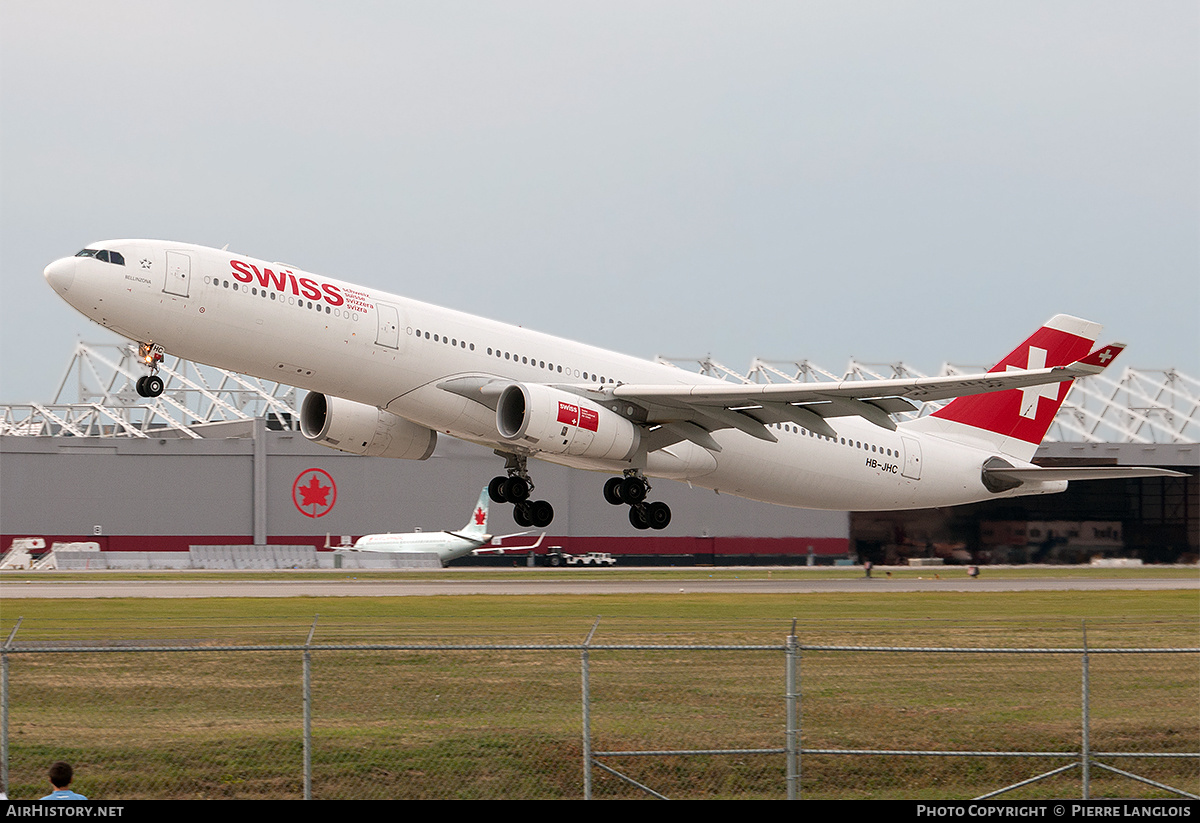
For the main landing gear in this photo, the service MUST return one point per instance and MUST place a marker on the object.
(515, 488)
(632, 489)
(150, 385)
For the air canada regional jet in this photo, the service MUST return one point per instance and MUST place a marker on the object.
(447, 545)
(386, 374)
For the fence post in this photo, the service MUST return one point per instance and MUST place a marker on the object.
(4, 708)
(792, 658)
(1086, 743)
(308, 711)
(587, 714)
(4, 721)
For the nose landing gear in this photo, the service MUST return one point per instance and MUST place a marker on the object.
(150, 385)
(632, 489)
(515, 488)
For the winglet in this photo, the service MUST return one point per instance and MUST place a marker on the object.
(1099, 360)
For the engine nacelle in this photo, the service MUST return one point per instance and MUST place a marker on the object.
(360, 429)
(557, 422)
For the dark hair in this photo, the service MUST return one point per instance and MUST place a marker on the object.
(61, 774)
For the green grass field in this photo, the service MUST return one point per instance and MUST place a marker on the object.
(457, 723)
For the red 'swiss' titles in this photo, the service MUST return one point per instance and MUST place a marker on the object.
(286, 281)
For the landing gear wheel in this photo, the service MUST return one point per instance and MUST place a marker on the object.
(521, 514)
(496, 489)
(516, 489)
(541, 513)
(153, 386)
(141, 386)
(638, 517)
(658, 514)
(633, 490)
(612, 490)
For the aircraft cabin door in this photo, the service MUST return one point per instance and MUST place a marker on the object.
(389, 325)
(912, 458)
(179, 273)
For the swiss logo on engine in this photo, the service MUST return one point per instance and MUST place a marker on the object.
(573, 415)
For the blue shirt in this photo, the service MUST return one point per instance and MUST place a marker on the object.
(64, 794)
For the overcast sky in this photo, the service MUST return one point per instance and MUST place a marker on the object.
(924, 181)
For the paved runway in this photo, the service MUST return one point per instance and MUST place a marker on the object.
(355, 584)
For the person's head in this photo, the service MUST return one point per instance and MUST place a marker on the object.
(61, 774)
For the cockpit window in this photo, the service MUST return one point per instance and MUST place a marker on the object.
(104, 256)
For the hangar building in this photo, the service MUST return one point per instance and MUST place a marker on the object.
(218, 459)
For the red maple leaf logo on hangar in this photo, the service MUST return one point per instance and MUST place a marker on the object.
(314, 492)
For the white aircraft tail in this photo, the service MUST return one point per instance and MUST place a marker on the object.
(477, 525)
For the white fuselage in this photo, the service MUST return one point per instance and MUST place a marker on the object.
(330, 336)
(446, 545)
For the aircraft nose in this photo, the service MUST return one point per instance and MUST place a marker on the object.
(60, 274)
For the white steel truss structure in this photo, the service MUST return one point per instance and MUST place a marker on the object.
(1138, 406)
(107, 404)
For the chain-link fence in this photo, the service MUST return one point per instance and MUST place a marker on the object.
(619, 716)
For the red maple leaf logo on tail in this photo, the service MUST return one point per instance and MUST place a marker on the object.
(480, 516)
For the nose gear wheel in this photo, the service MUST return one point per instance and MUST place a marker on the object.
(150, 385)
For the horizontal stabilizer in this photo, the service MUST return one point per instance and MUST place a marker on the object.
(1080, 473)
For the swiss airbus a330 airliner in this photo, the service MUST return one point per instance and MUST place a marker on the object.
(385, 374)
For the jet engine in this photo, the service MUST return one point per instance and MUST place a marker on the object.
(554, 421)
(360, 429)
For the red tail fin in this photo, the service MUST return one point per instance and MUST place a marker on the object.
(1021, 417)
